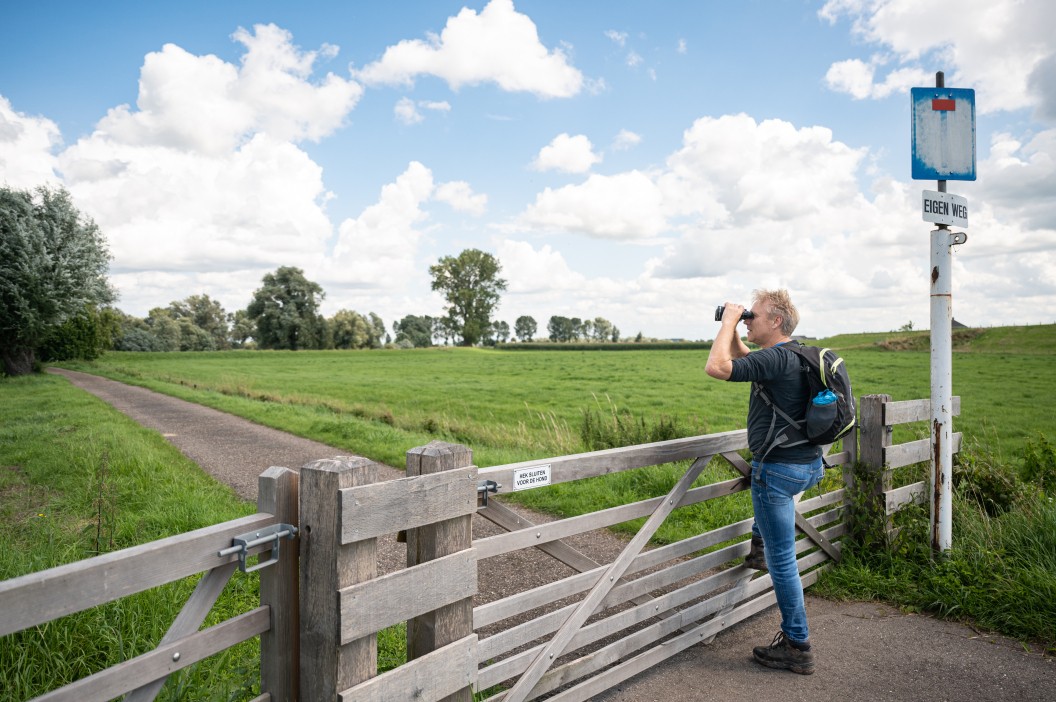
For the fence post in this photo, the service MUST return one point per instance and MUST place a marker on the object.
(326, 567)
(280, 645)
(452, 622)
(874, 476)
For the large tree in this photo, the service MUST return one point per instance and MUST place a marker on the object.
(471, 285)
(286, 311)
(205, 313)
(53, 265)
(418, 330)
(525, 327)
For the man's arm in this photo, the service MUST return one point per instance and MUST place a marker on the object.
(727, 345)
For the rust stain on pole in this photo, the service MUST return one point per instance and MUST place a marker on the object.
(937, 487)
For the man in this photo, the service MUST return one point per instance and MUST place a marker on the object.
(778, 473)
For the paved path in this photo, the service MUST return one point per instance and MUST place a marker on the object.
(866, 651)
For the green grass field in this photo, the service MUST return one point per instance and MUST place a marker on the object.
(78, 478)
(518, 406)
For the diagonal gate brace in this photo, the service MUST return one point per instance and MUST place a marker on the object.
(550, 652)
(806, 527)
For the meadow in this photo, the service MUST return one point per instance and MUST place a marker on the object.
(519, 406)
(78, 478)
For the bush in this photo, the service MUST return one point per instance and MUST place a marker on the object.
(84, 336)
(1039, 464)
(983, 480)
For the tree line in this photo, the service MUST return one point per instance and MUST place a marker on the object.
(56, 302)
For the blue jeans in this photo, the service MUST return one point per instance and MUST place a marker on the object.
(774, 487)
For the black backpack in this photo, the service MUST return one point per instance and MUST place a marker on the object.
(823, 424)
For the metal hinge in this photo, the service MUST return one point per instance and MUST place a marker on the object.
(272, 534)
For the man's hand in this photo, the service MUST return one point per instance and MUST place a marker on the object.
(727, 345)
(732, 313)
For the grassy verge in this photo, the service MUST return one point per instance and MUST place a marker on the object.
(78, 479)
(1001, 571)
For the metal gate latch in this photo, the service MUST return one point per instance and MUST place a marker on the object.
(243, 542)
(484, 487)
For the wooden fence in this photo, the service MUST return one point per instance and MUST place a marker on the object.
(323, 602)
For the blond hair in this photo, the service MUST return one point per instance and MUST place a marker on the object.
(779, 304)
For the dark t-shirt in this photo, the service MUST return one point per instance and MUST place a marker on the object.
(779, 372)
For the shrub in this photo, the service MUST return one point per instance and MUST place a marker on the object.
(1039, 464)
(980, 478)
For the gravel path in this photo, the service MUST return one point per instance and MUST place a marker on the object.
(866, 651)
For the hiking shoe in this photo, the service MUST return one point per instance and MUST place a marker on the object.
(782, 654)
(756, 558)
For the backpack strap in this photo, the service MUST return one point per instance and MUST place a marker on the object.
(783, 438)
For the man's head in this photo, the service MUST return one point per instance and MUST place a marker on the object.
(775, 317)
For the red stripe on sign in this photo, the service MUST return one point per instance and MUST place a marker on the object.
(944, 105)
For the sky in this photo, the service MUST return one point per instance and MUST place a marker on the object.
(640, 162)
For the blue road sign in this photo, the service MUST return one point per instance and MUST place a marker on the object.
(943, 133)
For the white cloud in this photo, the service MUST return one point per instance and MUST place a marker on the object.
(407, 112)
(618, 38)
(682, 48)
(26, 145)
(460, 196)
(634, 59)
(203, 176)
(499, 45)
(203, 104)
(570, 154)
(378, 248)
(991, 46)
(626, 139)
(436, 106)
(626, 206)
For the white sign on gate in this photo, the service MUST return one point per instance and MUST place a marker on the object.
(944, 208)
(536, 476)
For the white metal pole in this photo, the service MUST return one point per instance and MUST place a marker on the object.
(941, 390)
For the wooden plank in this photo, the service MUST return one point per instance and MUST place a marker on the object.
(586, 465)
(327, 566)
(547, 623)
(907, 411)
(503, 516)
(544, 594)
(657, 654)
(39, 597)
(904, 495)
(689, 617)
(509, 667)
(450, 622)
(163, 660)
(374, 510)
(914, 452)
(553, 531)
(432, 676)
(509, 639)
(398, 596)
(188, 621)
(620, 649)
(519, 692)
(815, 536)
(280, 645)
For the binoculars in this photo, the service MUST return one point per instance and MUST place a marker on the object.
(747, 314)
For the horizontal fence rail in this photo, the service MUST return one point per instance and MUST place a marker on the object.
(324, 603)
(38, 598)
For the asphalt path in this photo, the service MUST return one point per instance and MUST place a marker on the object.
(864, 650)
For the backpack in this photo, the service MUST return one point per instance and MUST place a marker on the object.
(830, 412)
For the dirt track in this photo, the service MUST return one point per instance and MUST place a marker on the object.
(866, 651)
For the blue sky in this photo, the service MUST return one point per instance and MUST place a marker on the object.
(641, 162)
